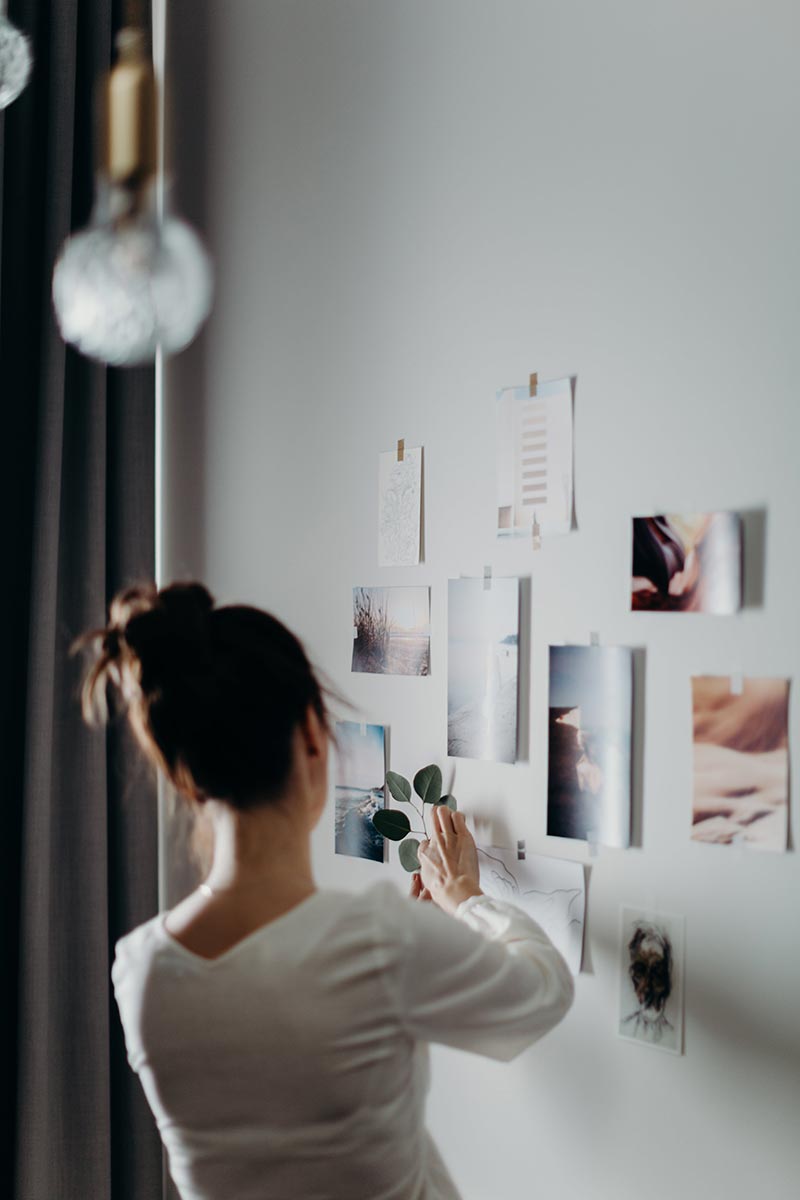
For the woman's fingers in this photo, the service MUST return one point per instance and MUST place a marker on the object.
(444, 819)
(418, 889)
(460, 823)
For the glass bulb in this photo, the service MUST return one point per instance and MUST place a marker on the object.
(16, 60)
(131, 283)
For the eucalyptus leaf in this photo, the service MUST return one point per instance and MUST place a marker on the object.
(399, 787)
(449, 802)
(428, 784)
(391, 824)
(407, 853)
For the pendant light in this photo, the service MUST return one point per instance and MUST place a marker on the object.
(136, 279)
(15, 60)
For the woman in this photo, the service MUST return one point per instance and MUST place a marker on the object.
(279, 1031)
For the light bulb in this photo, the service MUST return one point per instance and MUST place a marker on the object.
(136, 279)
(16, 60)
(126, 286)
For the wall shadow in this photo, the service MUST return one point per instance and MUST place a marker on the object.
(189, 39)
(524, 672)
(637, 746)
(754, 540)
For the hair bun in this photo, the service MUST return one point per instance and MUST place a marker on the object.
(170, 634)
(189, 605)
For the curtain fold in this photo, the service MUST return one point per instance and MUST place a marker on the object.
(78, 860)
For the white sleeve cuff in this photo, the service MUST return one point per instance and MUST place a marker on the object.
(493, 918)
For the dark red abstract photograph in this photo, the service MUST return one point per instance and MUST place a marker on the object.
(687, 563)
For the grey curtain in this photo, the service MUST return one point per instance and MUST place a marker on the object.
(78, 850)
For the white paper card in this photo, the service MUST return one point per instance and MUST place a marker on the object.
(534, 460)
(482, 669)
(550, 890)
(399, 508)
(652, 979)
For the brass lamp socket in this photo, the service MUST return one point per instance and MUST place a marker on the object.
(129, 112)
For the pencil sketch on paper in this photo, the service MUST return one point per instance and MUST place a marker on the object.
(551, 890)
(534, 460)
(399, 508)
(651, 979)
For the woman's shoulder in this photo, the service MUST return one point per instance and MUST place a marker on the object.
(399, 921)
(142, 940)
(152, 937)
(379, 914)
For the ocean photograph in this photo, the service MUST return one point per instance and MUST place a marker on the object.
(589, 744)
(360, 791)
(482, 669)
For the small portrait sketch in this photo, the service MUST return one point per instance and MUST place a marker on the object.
(651, 979)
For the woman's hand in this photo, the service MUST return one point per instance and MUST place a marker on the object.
(418, 891)
(449, 861)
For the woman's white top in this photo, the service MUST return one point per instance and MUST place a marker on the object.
(294, 1065)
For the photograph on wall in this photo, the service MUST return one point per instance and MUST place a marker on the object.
(482, 667)
(392, 630)
(534, 459)
(589, 744)
(688, 563)
(550, 890)
(651, 979)
(741, 761)
(361, 763)
(400, 508)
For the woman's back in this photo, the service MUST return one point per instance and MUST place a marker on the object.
(293, 1064)
(286, 1060)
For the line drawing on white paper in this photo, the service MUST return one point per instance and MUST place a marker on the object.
(534, 460)
(551, 890)
(399, 508)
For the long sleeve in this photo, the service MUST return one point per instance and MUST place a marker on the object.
(489, 980)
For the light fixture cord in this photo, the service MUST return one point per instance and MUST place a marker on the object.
(134, 14)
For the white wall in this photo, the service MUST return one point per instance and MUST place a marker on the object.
(412, 203)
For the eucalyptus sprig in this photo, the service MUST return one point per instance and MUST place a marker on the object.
(396, 826)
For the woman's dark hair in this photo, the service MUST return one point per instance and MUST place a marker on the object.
(214, 695)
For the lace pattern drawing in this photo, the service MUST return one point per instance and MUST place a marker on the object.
(399, 508)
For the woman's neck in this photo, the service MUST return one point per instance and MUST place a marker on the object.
(261, 869)
(267, 845)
